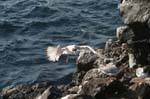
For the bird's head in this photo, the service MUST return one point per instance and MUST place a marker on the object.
(72, 49)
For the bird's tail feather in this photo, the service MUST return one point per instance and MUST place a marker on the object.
(53, 53)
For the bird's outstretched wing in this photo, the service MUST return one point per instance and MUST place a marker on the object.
(54, 53)
(86, 48)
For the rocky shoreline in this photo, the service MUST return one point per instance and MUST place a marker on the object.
(120, 70)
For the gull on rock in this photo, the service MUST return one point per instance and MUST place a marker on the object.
(132, 60)
(110, 69)
(108, 43)
(140, 72)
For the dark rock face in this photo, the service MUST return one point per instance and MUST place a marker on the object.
(134, 11)
(76, 96)
(85, 63)
(30, 91)
(83, 97)
(136, 15)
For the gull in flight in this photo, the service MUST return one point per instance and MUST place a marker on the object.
(54, 53)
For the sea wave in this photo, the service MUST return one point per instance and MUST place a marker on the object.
(28, 27)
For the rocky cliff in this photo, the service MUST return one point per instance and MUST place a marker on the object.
(119, 71)
(136, 17)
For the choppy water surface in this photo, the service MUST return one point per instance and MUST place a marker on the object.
(27, 27)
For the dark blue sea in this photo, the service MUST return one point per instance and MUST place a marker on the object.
(28, 27)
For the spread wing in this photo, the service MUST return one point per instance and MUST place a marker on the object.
(54, 53)
(86, 48)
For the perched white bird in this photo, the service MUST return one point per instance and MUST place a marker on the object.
(54, 53)
(110, 69)
(132, 60)
(140, 72)
(121, 33)
(108, 44)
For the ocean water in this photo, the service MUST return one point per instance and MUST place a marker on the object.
(28, 27)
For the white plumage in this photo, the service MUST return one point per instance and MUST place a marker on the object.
(132, 60)
(54, 53)
(140, 72)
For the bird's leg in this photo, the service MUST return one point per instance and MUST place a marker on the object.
(77, 59)
(67, 60)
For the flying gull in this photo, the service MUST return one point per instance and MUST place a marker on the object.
(54, 53)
